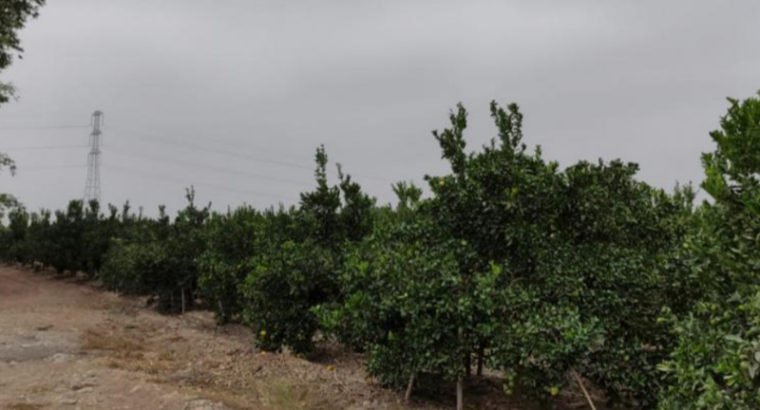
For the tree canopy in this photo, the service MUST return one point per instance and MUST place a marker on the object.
(13, 16)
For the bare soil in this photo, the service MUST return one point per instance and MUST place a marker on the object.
(67, 345)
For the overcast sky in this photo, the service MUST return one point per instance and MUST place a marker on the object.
(234, 96)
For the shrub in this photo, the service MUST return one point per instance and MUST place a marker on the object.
(232, 240)
(287, 280)
(715, 363)
(126, 266)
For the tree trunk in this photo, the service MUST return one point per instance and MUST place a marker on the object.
(583, 389)
(408, 394)
(460, 383)
(481, 359)
(460, 394)
(183, 301)
(222, 313)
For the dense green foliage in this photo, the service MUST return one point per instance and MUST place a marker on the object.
(518, 263)
(232, 239)
(716, 362)
(159, 257)
(511, 262)
(296, 273)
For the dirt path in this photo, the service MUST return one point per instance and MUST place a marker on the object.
(68, 346)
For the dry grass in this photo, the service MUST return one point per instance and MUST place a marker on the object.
(127, 351)
(25, 406)
(175, 339)
(94, 340)
(281, 394)
(222, 368)
(39, 389)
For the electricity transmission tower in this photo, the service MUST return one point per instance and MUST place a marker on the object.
(92, 186)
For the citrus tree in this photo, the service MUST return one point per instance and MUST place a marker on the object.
(515, 264)
(232, 240)
(296, 268)
(716, 362)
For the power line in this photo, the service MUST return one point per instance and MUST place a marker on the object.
(230, 171)
(131, 172)
(135, 172)
(205, 149)
(192, 146)
(43, 127)
(21, 168)
(44, 147)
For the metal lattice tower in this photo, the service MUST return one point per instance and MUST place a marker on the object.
(92, 186)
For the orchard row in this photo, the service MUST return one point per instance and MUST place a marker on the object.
(511, 263)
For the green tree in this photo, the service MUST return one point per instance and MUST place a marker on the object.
(232, 240)
(716, 362)
(535, 271)
(183, 244)
(295, 272)
(13, 16)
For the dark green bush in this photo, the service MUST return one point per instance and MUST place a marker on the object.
(126, 266)
(715, 363)
(286, 281)
(538, 272)
(232, 239)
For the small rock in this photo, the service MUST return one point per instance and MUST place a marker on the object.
(59, 358)
(201, 404)
(76, 386)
